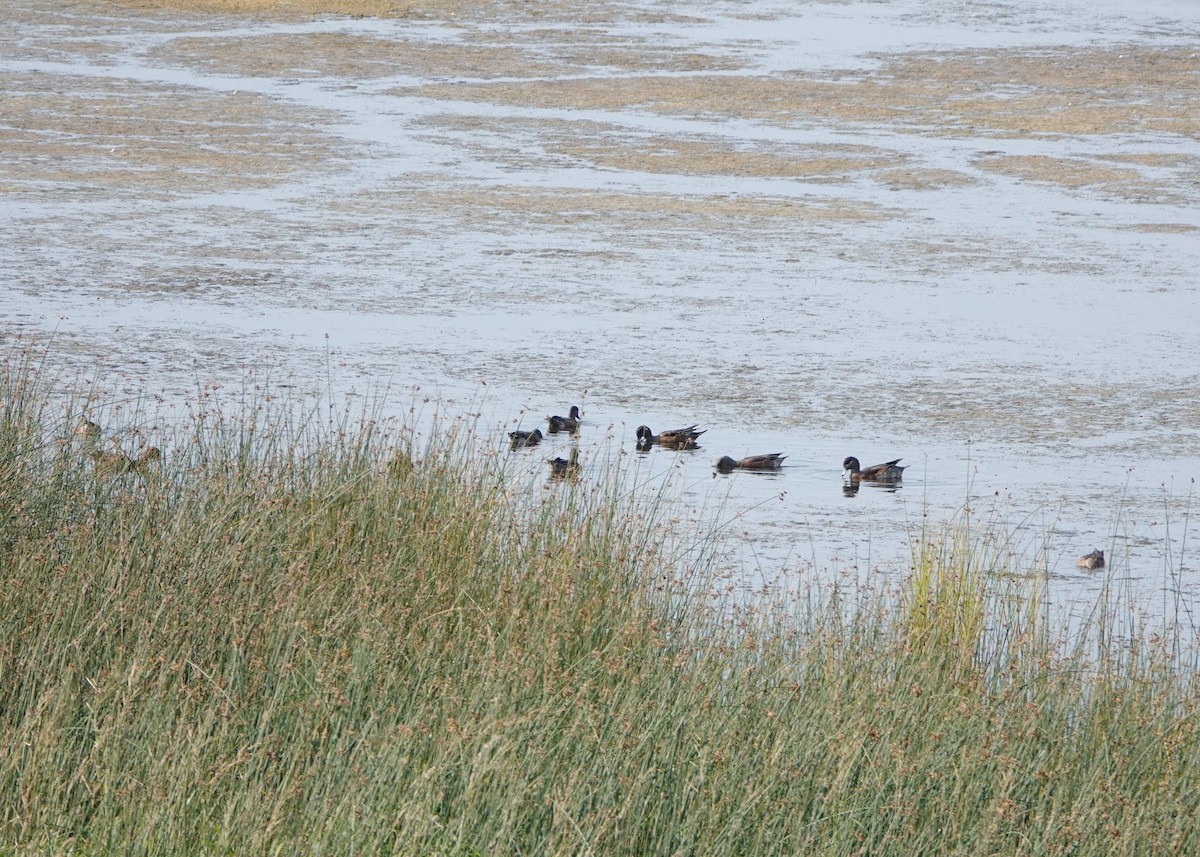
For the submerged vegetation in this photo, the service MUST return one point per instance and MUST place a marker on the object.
(324, 634)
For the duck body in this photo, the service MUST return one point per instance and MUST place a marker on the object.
(1092, 560)
(518, 439)
(87, 430)
(111, 463)
(889, 471)
(150, 453)
(565, 468)
(770, 461)
(568, 423)
(681, 438)
(119, 464)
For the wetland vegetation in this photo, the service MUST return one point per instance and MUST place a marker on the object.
(316, 632)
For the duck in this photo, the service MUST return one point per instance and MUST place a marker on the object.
(518, 438)
(401, 465)
(681, 438)
(111, 463)
(564, 468)
(771, 461)
(568, 423)
(1092, 560)
(87, 430)
(889, 471)
(146, 457)
(119, 464)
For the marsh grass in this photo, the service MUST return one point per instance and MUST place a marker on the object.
(337, 635)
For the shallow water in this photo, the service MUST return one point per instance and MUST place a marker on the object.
(961, 233)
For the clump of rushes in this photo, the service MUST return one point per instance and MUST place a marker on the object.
(329, 636)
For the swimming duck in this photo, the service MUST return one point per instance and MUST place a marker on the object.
(681, 438)
(87, 430)
(111, 463)
(1092, 560)
(771, 461)
(570, 423)
(524, 438)
(890, 471)
(563, 468)
(401, 465)
(147, 456)
(118, 463)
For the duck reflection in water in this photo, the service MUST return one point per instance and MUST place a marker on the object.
(850, 487)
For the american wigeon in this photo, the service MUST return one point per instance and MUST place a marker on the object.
(87, 430)
(681, 438)
(524, 438)
(401, 466)
(111, 463)
(564, 468)
(771, 461)
(147, 455)
(890, 471)
(119, 464)
(1092, 560)
(569, 423)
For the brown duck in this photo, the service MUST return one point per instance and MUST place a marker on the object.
(889, 471)
(681, 438)
(517, 439)
(565, 468)
(770, 461)
(118, 463)
(568, 423)
(87, 430)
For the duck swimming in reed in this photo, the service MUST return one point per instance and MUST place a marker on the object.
(770, 461)
(518, 439)
(401, 465)
(86, 430)
(681, 438)
(568, 423)
(111, 463)
(119, 464)
(565, 468)
(1092, 560)
(890, 471)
